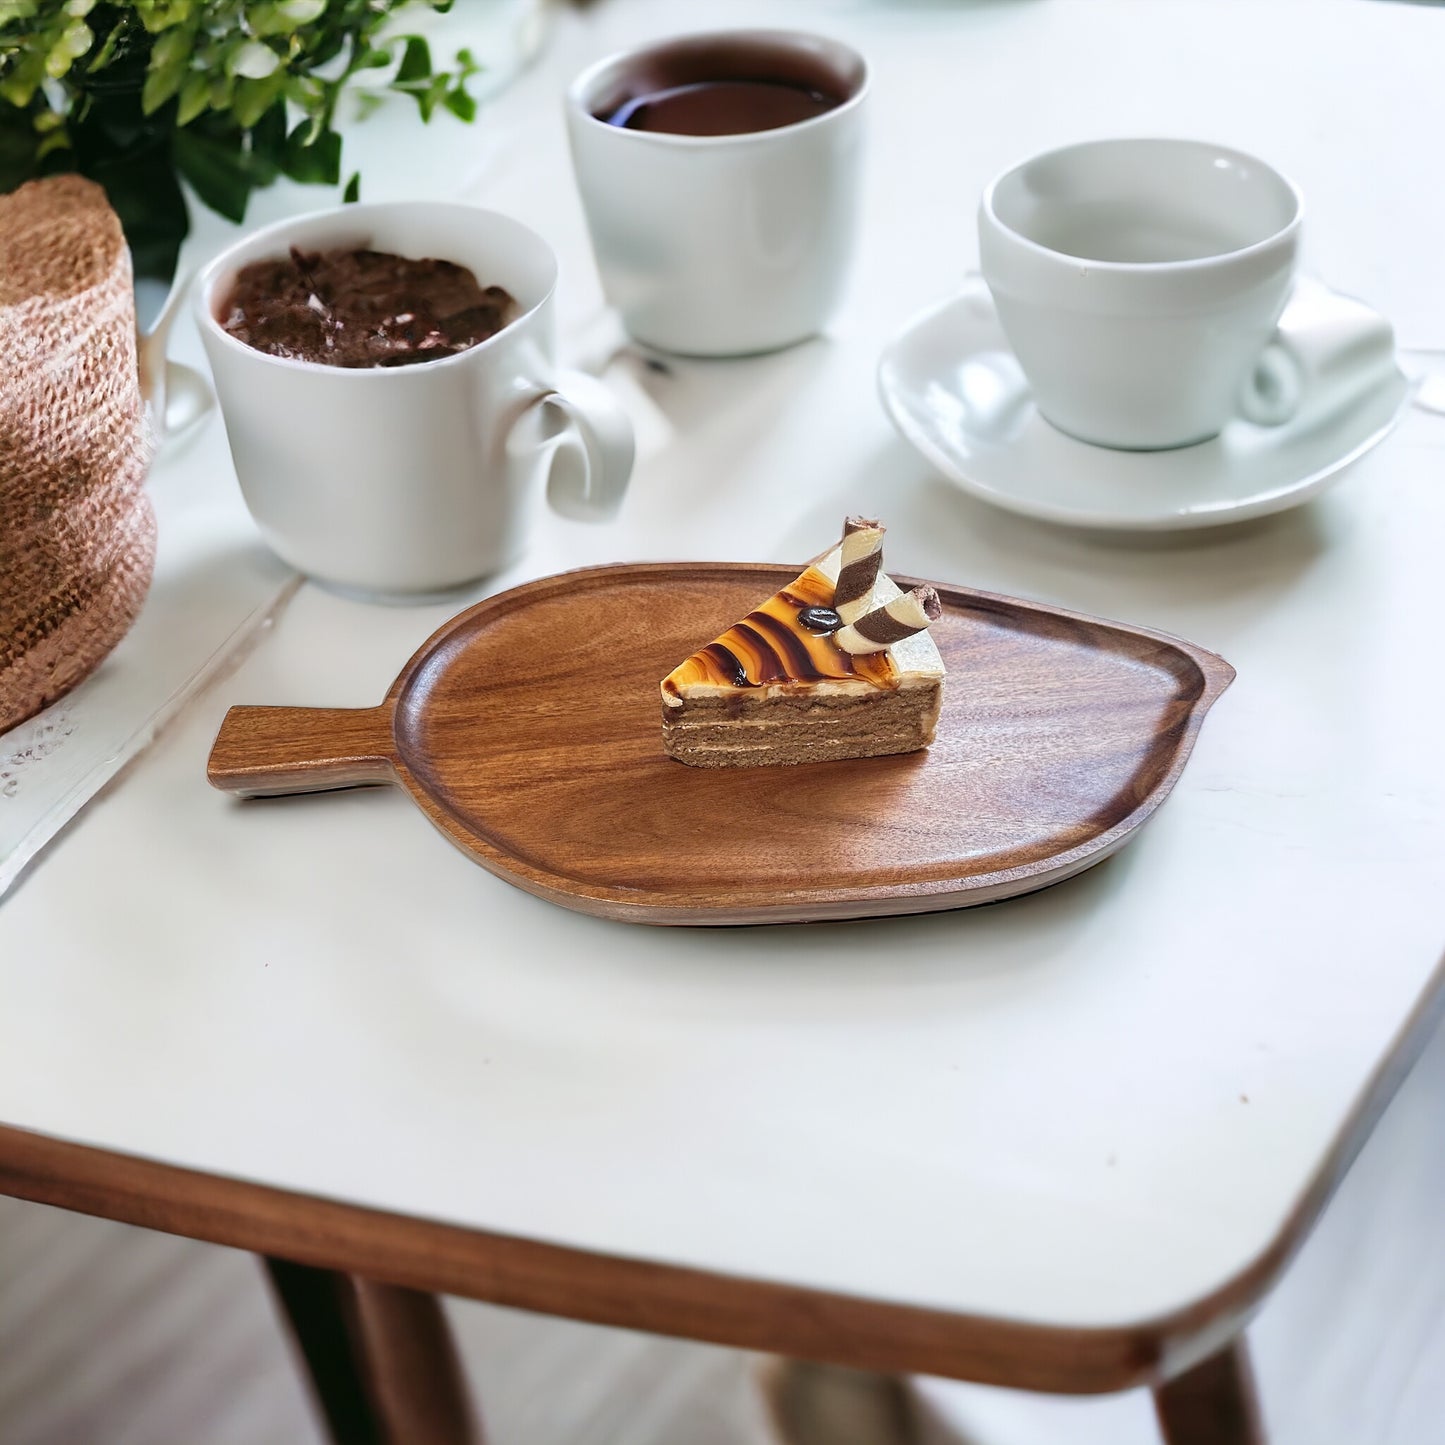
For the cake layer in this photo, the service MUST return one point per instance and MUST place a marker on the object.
(711, 733)
(857, 722)
(794, 749)
(738, 703)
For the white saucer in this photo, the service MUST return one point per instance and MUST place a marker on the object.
(952, 387)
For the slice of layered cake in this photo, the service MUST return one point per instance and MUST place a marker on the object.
(839, 664)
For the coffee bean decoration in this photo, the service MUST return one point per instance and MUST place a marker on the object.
(820, 619)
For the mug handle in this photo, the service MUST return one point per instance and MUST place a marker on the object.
(594, 451)
(174, 395)
(1326, 350)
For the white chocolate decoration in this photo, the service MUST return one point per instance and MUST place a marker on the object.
(903, 617)
(862, 556)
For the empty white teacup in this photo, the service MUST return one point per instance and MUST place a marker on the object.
(730, 242)
(1139, 283)
(414, 480)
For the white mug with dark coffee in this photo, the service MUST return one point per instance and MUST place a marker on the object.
(1140, 284)
(720, 176)
(395, 453)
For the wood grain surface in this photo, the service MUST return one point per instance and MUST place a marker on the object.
(1215, 1403)
(528, 730)
(381, 1359)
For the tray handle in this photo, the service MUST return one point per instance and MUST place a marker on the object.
(265, 752)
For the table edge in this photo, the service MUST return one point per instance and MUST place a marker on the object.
(666, 1299)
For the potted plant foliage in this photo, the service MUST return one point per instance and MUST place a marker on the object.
(222, 96)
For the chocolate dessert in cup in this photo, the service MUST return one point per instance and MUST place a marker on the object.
(354, 307)
(406, 481)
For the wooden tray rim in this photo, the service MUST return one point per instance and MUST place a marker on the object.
(791, 905)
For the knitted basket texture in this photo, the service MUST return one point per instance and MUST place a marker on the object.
(77, 534)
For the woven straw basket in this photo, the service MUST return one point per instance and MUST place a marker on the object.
(77, 535)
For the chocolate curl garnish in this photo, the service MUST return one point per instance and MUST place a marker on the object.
(858, 567)
(881, 628)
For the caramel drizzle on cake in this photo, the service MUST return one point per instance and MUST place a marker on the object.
(811, 675)
(773, 645)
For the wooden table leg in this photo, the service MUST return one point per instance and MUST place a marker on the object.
(1213, 1404)
(811, 1404)
(380, 1358)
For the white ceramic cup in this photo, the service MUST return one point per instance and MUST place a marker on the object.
(1139, 283)
(410, 481)
(730, 244)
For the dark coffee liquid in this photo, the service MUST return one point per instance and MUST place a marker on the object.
(721, 107)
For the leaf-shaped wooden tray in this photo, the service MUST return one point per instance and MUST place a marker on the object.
(528, 729)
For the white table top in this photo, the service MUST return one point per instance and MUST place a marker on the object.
(1084, 1107)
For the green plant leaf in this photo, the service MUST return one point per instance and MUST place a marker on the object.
(107, 52)
(302, 12)
(253, 61)
(20, 85)
(415, 61)
(161, 85)
(223, 94)
(217, 169)
(264, 20)
(68, 47)
(56, 141)
(268, 135)
(352, 193)
(172, 48)
(283, 17)
(159, 15)
(460, 104)
(195, 98)
(62, 57)
(305, 91)
(78, 38)
(434, 96)
(315, 162)
(17, 149)
(139, 176)
(255, 97)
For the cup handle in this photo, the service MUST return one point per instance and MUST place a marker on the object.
(1327, 350)
(592, 461)
(174, 395)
